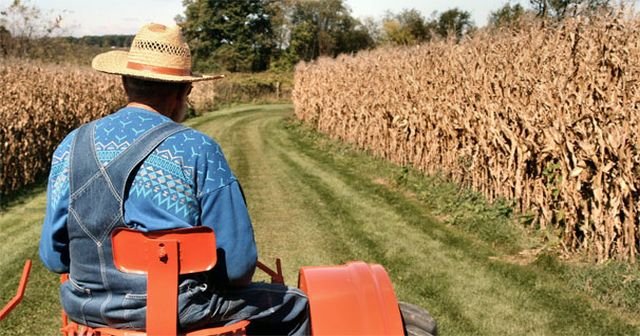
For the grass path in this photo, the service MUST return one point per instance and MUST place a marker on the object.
(316, 203)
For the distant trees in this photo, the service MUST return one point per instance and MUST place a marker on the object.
(506, 15)
(232, 34)
(547, 9)
(5, 41)
(406, 28)
(253, 35)
(325, 28)
(27, 21)
(21, 24)
(105, 41)
(562, 8)
(410, 27)
(454, 21)
(256, 35)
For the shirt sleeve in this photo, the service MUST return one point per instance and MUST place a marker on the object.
(225, 211)
(54, 240)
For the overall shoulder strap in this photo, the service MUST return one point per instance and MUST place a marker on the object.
(83, 162)
(119, 170)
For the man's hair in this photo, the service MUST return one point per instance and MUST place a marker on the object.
(142, 89)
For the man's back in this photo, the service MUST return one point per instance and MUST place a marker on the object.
(184, 182)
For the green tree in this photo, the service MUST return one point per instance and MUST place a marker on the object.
(506, 15)
(234, 35)
(395, 33)
(304, 41)
(454, 21)
(415, 23)
(353, 38)
(406, 28)
(280, 12)
(325, 27)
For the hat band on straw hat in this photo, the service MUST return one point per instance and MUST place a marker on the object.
(158, 69)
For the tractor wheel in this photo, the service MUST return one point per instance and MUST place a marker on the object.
(417, 321)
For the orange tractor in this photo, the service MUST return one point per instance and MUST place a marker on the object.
(352, 299)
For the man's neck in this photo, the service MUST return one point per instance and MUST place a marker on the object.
(163, 109)
(143, 106)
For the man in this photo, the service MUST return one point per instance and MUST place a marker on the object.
(139, 168)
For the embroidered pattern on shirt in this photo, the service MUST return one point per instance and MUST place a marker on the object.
(162, 180)
(59, 176)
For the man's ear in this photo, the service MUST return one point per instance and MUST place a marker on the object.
(176, 97)
(126, 87)
(186, 90)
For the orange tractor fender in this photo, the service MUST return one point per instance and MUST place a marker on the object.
(352, 299)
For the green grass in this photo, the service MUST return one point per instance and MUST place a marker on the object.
(314, 201)
(20, 223)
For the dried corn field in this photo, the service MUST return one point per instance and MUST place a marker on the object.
(545, 116)
(40, 105)
(202, 95)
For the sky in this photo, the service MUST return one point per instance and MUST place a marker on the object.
(88, 17)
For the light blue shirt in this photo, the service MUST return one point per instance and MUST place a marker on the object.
(185, 182)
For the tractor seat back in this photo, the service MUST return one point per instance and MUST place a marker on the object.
(163, 256)
(145, 252)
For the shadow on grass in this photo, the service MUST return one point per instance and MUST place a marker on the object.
(22, 195)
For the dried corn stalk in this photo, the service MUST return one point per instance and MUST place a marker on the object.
(546, 116)
(40, 105)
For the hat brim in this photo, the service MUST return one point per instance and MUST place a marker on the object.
(115, 63)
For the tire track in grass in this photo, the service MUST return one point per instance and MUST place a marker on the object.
(268, 190)
(358, 241)
(350, 222)
(353, 243)
(280, 225)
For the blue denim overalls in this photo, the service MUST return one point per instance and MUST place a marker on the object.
(97, 294)
(96, 291)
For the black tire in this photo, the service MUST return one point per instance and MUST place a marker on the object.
(417, 321)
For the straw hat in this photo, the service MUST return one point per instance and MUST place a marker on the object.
(157, 53)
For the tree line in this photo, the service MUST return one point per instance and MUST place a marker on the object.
(258, 35)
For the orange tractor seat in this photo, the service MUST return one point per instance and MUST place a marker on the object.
(167, 254)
